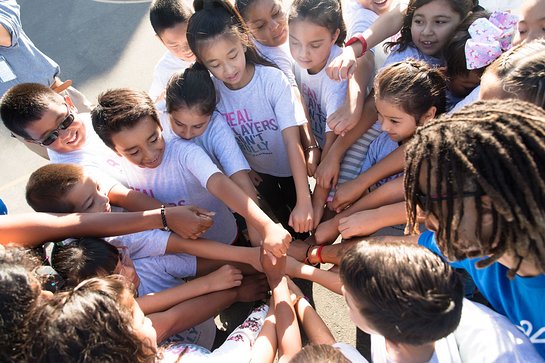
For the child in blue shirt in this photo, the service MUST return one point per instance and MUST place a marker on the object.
(477, 178)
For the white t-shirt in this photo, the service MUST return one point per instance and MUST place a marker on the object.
(257, 114)
(482, 336)
(485, 336)
(351, 353)
(164, 272)
(322, 95)
(446, 351)
(281, 56)
(181, 180)
(94, 156)
(219, 143)
(164, 69)
(142, 244)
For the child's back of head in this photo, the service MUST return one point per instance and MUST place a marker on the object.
(83, 258)
(404, 292)
(319, 353)
(191, 89)
(19, 294)
(94, 322)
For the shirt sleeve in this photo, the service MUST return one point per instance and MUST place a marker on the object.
(198, 162)
(143, 244)
(10, 19)
(283, 101)
(225, 148)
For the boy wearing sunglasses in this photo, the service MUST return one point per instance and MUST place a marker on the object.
(39, 115)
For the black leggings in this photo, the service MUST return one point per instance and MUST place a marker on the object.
(279, 193)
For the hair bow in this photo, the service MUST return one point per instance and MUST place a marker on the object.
(489, 38)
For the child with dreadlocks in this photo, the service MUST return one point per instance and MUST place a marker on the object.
(478, 176)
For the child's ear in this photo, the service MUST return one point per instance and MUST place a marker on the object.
(429, 115)
(486, 205)
(336, 35)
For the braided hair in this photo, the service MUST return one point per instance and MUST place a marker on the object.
(493, 148)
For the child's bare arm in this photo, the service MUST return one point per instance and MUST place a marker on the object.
(385, 26)
(348, 115)
(242, 179)
(327, 172)
(313, 325)
(195, 221)
(287, 328)
(223, 278)
(367, 222)
(329, 280)
(194, 311)
(354, 189)
(32, 229)
(308, 141)
(214, 250)
(275, 238)
(301, 217)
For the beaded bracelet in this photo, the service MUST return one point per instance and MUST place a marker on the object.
(164, 219)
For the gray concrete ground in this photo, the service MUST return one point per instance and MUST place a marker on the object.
(101, 45)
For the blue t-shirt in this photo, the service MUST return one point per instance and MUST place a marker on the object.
(3, 208)
(522, 300)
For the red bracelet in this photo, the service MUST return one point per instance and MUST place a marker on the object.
(319, 254)
(358, 38)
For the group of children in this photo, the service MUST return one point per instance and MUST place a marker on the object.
(249, 101)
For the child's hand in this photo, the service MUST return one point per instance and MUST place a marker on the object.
(343, 120)
(255, 178)
(345, 195)
(255, 259)
(358, 224)
(328, 171)
(343, 66)
(224, 278)
(312, 159)
(189, 221)
(253, 288)
(327, 231)
(274, 272)
(301, 218)
(277, 240)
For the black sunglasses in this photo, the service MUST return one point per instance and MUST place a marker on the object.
(54, 135)
(422, 200)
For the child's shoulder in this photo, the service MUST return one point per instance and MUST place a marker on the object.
(411, 51)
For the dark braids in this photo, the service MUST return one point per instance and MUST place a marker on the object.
(493, 148)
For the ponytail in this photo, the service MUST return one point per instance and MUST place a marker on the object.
(192, 88)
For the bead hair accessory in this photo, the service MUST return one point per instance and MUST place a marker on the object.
(489, 38)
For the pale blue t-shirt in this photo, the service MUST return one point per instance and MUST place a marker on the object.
(412, 52)
(380, 148)
(521, 300)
